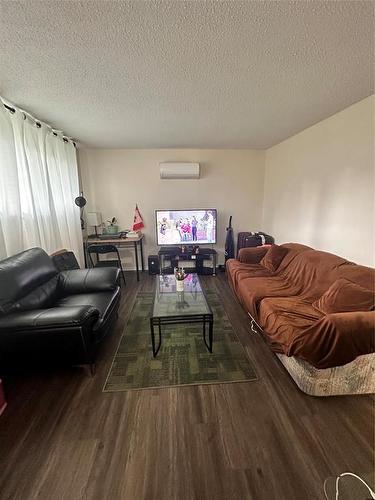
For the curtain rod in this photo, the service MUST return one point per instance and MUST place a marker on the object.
(37, 123)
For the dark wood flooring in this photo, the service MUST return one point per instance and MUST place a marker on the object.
(61, 437)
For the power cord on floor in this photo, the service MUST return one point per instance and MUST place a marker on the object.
(337, 485)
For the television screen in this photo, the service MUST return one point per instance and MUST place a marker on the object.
(176, 227)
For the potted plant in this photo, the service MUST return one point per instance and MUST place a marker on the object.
(180, 275)
(112, 226)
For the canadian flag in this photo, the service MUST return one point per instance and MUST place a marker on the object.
(138, 221)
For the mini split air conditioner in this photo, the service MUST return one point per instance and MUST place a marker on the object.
(179, 170)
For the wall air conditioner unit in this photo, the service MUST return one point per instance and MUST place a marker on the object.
(179, 170)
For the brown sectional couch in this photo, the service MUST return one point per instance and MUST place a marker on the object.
(285, 302)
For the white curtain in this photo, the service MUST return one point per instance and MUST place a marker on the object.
(38, 185)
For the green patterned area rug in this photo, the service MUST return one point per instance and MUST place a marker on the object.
(183, 358)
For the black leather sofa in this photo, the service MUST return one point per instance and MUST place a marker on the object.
(47, 316)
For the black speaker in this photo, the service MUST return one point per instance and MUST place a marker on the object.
(153, 264)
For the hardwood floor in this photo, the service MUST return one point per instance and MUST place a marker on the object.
(61, 437)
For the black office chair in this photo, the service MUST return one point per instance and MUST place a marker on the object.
(104, 249)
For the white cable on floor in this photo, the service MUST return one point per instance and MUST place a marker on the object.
(337, 485)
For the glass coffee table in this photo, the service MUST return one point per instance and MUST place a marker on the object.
(171, 307)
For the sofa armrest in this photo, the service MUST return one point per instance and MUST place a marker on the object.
(98, 279)
(336, 339)
(252, 255)
(55, 317)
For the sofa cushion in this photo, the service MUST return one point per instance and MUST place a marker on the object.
(273, 257)
(238, 271)
(294, 249)
(252, 255)
(314, 271)
(293, 327)
(361, 275)
(345, 296)
(21, 275)
(41, 297)
(283, 318)
(96, 279)
(53, 318)
(335, 339)
(252, 290)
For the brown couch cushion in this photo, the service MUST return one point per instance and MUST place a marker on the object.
(345, 296)
(237, 271)
(361, 275)
(273, 257)
(335, 339)
(252, 255)
(315, 271)
(251, 291)
(283, 318)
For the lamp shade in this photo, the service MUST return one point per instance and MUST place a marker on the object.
(94, 219)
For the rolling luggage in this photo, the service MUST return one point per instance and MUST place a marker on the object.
(253, 239)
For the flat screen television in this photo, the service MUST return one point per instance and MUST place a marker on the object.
(191, 227)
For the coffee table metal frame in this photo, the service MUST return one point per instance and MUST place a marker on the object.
(205, 319)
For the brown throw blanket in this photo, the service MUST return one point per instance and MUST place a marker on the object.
(315, 305)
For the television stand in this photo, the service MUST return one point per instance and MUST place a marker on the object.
(196, 262)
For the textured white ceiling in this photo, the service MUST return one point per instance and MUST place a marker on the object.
(200, 74)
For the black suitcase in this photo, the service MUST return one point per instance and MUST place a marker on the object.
(251, 239)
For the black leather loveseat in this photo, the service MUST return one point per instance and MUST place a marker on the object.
(51, 316)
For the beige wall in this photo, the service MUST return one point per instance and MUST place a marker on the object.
(319, 185)
(232, 181)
